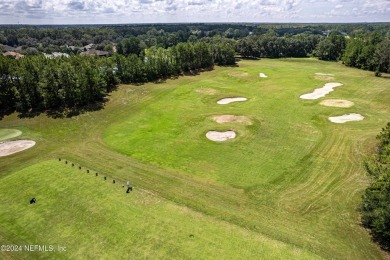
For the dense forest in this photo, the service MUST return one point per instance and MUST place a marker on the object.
(376, 199)
(365, 46)
(141, 53)
(36, 83)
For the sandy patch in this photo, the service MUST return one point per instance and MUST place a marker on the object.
(11, 147)
(324, 76)
(262, 75)
(321, 92)
(238, 74)
(346, 118)
(225, 101)
(206, 91)
(336, 103)
(232, 118)
(220, 136)
(9, 133)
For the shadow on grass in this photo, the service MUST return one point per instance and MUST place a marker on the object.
(75, 111)
(194, 72)
(63, 112)
(5, 112)
(246, 58)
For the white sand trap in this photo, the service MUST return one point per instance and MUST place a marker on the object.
(232, 118)
(220, 136)
(11, 147)
(262, 75)
(225, 101)
(336, 103)
(9, 133)
(321, 92)
(323, 74)
(346, 118)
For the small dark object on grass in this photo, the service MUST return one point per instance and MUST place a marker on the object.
(72, 164)
(33, 200)
(129, 189)
(79, 167)
(123, 186)
(96, 174)
(191, 236)
(113, 181)
(87, 171)
(66, 162)
(105, 178)
(59, 159)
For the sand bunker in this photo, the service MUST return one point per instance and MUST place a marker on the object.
(321, 92)
(220, 136)
(336, 103)
(262, 75)
(323, 74)
(238, 74)
(207, 91)
(232, 118)
(9, 133)
(346, 118)
(225, 101)
(11, 147)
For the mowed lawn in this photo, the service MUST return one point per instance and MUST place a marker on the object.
(92, 218)
(288, 185)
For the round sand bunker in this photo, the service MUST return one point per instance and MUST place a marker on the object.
(11, 147)
(9, 133)
(346, 118)
(232, 118)
(336, 103)
(225, 101)
(220, 136)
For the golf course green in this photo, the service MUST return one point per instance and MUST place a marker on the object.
(287, 186)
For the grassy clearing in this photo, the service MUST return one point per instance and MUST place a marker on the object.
(91, 217)
(291, 176)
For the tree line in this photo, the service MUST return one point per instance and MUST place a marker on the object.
(38, 83)
(272, 46)
(368, 51)
(375, 206)
(36, 39)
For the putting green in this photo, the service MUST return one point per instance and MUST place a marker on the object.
(9, 133)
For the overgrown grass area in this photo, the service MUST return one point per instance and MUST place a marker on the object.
(287, 186)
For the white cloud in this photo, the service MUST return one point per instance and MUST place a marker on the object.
(128, 11)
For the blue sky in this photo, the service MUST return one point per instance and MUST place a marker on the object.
(172, 11)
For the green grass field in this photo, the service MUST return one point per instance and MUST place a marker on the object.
(288, 186)
(6, 134)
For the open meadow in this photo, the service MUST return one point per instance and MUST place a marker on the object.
(288, 185)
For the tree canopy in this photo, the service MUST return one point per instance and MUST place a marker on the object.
(376, 199)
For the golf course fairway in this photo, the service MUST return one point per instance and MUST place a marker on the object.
(288, 186)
